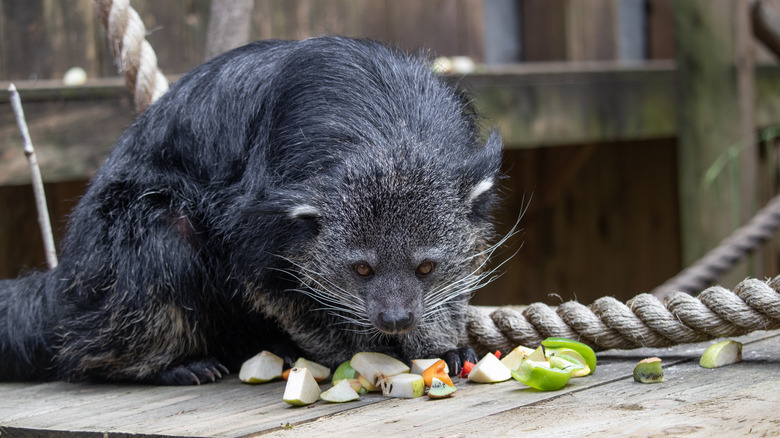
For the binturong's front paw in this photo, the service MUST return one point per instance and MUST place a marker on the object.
(194, 372)
(456, 357)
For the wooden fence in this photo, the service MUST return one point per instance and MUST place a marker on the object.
(600, 128)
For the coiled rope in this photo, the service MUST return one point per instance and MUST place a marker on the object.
(643, 321)
(134, 55)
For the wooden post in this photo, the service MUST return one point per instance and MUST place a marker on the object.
(717, 149)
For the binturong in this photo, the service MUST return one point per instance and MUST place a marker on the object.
(315, 198)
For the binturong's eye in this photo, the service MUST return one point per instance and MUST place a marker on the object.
(363, 269)
(425, 268)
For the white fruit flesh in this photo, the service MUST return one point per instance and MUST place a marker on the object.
(319, 372)
(516, 357)
(721, 353)
(261, 368)
(489, 370)
(340, 393)
(420, 365)
(301, 388)
(375, 366)
(403, 385)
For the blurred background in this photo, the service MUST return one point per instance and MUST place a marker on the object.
(638, 133)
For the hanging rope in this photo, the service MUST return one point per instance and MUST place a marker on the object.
(727, 254)
(643, 321)
(133, 54)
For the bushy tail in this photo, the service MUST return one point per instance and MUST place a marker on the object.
(26, 326)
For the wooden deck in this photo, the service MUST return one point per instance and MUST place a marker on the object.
(736, 400)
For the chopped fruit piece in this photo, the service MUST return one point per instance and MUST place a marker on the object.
(439, 389)
(437, 370)
(263, 367)
(344, 371)
(467, 366)
(516, 357)
(340, 392)
(541, 375)
(375, 366)
(367, 385)
(319, 372)
(580, 364)
(403, 385)
(420, 365)
(584, 350)
(489, 370)
(301, 388)
(649, 371)
(497, 354)
(722, 353)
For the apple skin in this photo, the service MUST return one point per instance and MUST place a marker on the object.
(721, 354)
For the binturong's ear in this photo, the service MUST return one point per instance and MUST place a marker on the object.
(483, 173)
(303, 212)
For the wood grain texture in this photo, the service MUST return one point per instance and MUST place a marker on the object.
(735, 399)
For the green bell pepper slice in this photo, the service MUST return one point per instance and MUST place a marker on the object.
(584, 350)
(544, 376)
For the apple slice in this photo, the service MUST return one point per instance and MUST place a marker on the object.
(489, 370)
(403, 385)
(368, 386)
(319, 372)
(420, 365)
(721, 353)
(301, 388)
(340, 392)
(516, 357)
(346, 372)
(439, 389)
(263, 367)
(373, 367)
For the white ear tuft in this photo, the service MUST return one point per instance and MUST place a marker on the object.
(483, 186)
(303, 211)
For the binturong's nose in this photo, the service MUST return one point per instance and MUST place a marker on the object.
(395, 321)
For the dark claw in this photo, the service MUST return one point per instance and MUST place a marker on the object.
(195, 372)
(455, 358)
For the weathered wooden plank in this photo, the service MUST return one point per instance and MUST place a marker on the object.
(230, 408)
(588, 406)
(560, 104)
(737, 400)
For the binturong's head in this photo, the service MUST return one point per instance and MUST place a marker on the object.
(400, 239)
(394, 191)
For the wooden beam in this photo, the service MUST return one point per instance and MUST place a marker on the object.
(533, 105)
(715, 124)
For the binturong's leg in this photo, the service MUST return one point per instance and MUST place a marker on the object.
(134, 290)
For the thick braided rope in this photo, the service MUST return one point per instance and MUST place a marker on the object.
(134, 55)
(643, 321)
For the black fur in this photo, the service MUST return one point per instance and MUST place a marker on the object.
(231, 215)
